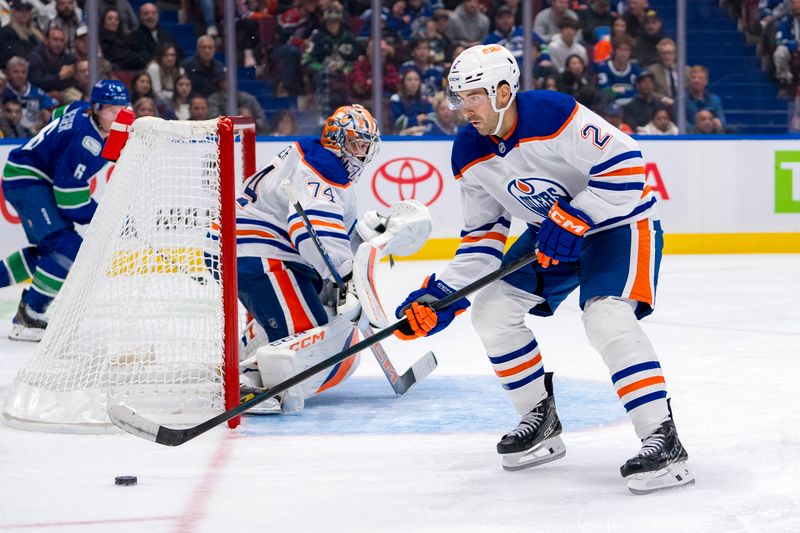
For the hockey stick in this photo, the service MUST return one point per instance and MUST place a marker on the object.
(127, 419)
(419, 370)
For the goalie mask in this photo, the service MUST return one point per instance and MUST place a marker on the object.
(352, 134)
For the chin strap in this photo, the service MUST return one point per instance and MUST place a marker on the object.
(502, 114)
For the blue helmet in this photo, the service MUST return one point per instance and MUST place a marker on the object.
(111, 92)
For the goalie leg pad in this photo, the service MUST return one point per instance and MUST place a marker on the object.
(275, 366)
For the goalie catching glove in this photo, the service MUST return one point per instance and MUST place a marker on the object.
(402, 232)
(561, 235)
(422, 319)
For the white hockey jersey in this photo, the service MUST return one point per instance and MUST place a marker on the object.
(557, 150)
(267, 225)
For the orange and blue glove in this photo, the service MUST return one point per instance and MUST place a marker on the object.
(422, 319)
(561, 234)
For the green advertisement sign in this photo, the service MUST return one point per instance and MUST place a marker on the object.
(787, 181)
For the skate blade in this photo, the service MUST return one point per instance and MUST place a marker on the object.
(23, 334)
(673, 476)
(547, 451)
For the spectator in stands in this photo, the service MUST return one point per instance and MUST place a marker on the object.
(508, 35)
(398, 22)
(361, 77)
(115, 43)
(20, 36)
(699, 99)
(646, 51)
(64, 14)
(127, 16)
(3, 83)
(706, 123)
(613, 114)
(209, 20)
(148, 35)
(618, 76)
(51, 66)
(660, 124)
(248, 32)
(596, 21)
(142, 87)
(81, 86)
(418, 12)
(295, 26)
(467, 25)
(408, 107)
(421, 60)
(145, 107)
(36, 104)
(440, 45)
(787, 40)
(198, 108)
(217, 104)
(603, 49)
(634, 16)
(443, 121)
(164, 70)
(546, 22)
(640, 109)
(574, 77)
(10, 121)
(329, 59)
(550, 83)
(285, 124)
(564, 44)
(180, 99)
(665, 71)
(203, 69)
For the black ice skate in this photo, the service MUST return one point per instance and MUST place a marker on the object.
(27, 325)
(660, 464)
(535, 441)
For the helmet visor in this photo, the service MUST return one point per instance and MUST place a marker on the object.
(456, 101)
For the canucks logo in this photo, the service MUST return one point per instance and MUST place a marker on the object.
(537, 194)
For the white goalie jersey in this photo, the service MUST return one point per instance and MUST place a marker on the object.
(267, 225)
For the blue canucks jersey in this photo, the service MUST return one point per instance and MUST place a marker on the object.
(65, 154)
(621, 83)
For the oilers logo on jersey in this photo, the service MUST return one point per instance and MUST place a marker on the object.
(537, 194)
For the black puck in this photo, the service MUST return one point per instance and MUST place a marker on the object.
(125, 481)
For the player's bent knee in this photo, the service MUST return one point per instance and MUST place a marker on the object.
(611, 326)
(64, 243)
(485, 317)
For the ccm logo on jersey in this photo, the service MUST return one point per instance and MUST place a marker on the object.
(598, 139)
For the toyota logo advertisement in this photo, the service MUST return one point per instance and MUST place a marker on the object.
(407, 178)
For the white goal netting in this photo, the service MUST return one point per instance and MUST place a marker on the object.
(140, 318)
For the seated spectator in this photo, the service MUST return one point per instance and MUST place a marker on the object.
(198, 108)
(574, 77)
(564, 44)
(660, 124)
(115, 43)
(142, 87)
(613, 115)
(510, 36)
(443, 121)
(640, 109)
(467, 25)
(618, 76)
(203, 69)
(329, 59)
(127, 16)
(285, 124)
(361, 77)
(699, 99)
(80, 44)
(248, 32)
(10, 121)
(164, 70)
(603, 48)
(36, 104)
(646, 51)
(421, 60)
(398, 22)
(634, 16)
(81, 86)
(596, 21)
(3, 83)
(408, 107)
(148, 35)
(51, 66)
(550, 83)
(546, 22)
(295, 26)
(64, 14)
(705, 123)
(180, 99)
(434, 33)
(665, 71)
(145, 107)
(20, 36)
(787, 40)
(217, 104)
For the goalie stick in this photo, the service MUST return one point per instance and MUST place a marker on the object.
(129, 420)
(400, 383)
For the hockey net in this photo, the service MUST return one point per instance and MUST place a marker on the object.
(148, 314)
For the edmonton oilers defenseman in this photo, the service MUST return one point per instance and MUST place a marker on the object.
(579, 185)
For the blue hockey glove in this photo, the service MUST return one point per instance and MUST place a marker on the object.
(561, 234)
(422, 319)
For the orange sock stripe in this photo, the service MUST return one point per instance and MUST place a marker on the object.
(642, 383)
(519, 368)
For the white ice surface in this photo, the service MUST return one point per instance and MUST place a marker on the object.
(727, 329)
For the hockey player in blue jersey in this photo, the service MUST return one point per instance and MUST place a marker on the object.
(47, 182)
(579, 185)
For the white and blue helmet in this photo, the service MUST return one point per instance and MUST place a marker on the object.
(110, 92)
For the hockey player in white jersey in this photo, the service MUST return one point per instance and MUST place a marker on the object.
(579, 184)
(284, 282)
